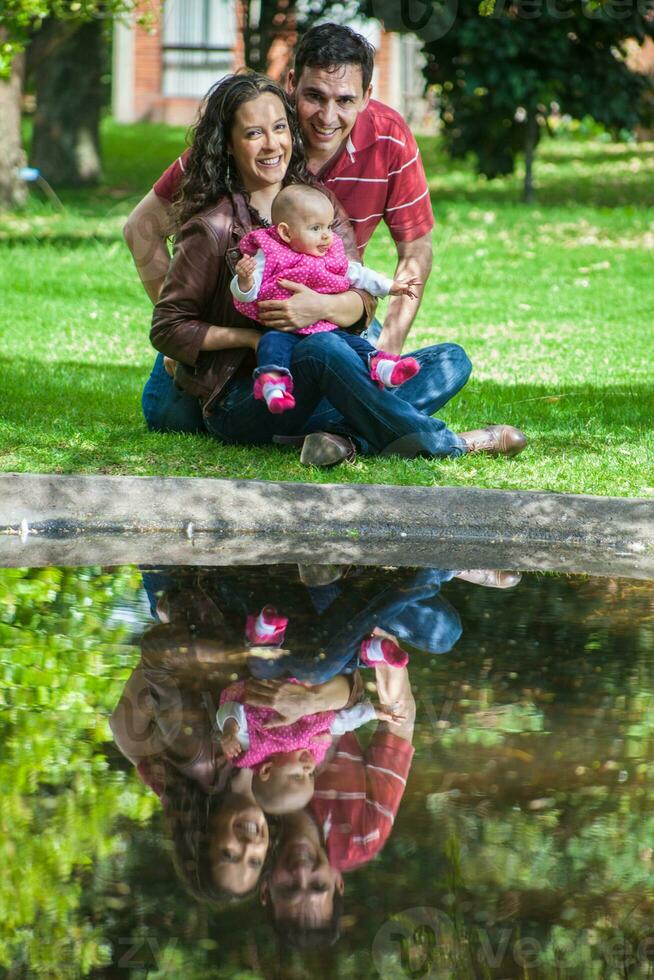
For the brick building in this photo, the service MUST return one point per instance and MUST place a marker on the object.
(161, 74)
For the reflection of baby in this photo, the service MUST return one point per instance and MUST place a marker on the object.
(283, 757)
(302, 247)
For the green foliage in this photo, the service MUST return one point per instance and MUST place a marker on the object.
(501, 75)
(63, 661)
(19, 18)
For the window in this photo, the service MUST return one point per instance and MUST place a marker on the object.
(198, 38)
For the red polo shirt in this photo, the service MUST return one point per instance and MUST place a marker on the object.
(378, 175)
(357, 796)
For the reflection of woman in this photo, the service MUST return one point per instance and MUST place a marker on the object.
(163, 724)
(245, 149)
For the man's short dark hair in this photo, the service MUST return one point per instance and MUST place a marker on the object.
(290, 935)
(328, 46)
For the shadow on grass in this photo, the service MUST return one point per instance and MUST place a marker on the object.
(600, 189)
(53, 396)
(46, 393)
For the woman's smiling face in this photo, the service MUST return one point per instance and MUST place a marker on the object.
(261, 142)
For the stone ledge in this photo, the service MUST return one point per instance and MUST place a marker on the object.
(50, 519)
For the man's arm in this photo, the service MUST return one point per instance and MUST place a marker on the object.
(393, 688)
(414, 260)
(146, 232)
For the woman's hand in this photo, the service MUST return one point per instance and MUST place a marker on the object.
(290, 701)
(302, 309)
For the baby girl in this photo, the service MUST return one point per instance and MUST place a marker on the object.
(302, 246)
(284, 757)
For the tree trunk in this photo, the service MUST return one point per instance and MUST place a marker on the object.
(531, 142)
(268, 30)
(68, 69)
(12, 188)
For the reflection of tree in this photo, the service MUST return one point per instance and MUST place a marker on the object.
(60, 672)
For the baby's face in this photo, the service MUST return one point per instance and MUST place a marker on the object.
(298, 765)
(310, 228)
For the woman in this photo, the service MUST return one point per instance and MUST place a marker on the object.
(246, 148)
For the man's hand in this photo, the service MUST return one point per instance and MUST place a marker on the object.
(394, 689)
(169, 366)
(290, 701)
(245, 269)
(302, 309)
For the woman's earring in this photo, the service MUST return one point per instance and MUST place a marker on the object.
(228, 172)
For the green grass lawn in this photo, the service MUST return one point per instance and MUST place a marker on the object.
(553, 304)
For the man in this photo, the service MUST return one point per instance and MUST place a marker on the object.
(366, 155)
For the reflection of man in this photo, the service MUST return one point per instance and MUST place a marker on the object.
(347, 823)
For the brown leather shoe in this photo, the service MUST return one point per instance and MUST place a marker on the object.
(327, 449)
(496, 440)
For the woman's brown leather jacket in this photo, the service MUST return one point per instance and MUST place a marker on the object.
(196, 296)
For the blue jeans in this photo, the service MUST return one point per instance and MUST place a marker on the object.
(445, 368)
(416, 614)
(165, 407)
(275, 350)
(325, 366)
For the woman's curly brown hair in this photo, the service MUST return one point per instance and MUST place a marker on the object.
(208, 175)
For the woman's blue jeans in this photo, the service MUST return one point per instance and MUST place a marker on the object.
(333, 393)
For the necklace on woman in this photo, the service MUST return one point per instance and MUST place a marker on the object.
(257, 218)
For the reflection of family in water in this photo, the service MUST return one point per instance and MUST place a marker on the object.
(241, 716)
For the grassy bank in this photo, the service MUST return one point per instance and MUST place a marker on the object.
(552, 303)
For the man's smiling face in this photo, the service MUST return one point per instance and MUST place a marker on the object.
(328, 103)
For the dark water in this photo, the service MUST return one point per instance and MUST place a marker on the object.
(522, 844)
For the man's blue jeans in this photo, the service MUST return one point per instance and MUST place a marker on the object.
(445, 368)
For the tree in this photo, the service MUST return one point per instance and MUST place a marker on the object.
(500, 76)
(67, 62)
(267, 24)
(20, 20)
(12, 190)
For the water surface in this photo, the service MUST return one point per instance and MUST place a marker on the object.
(522, 843)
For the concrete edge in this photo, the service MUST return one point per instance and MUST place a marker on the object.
(52, 519)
